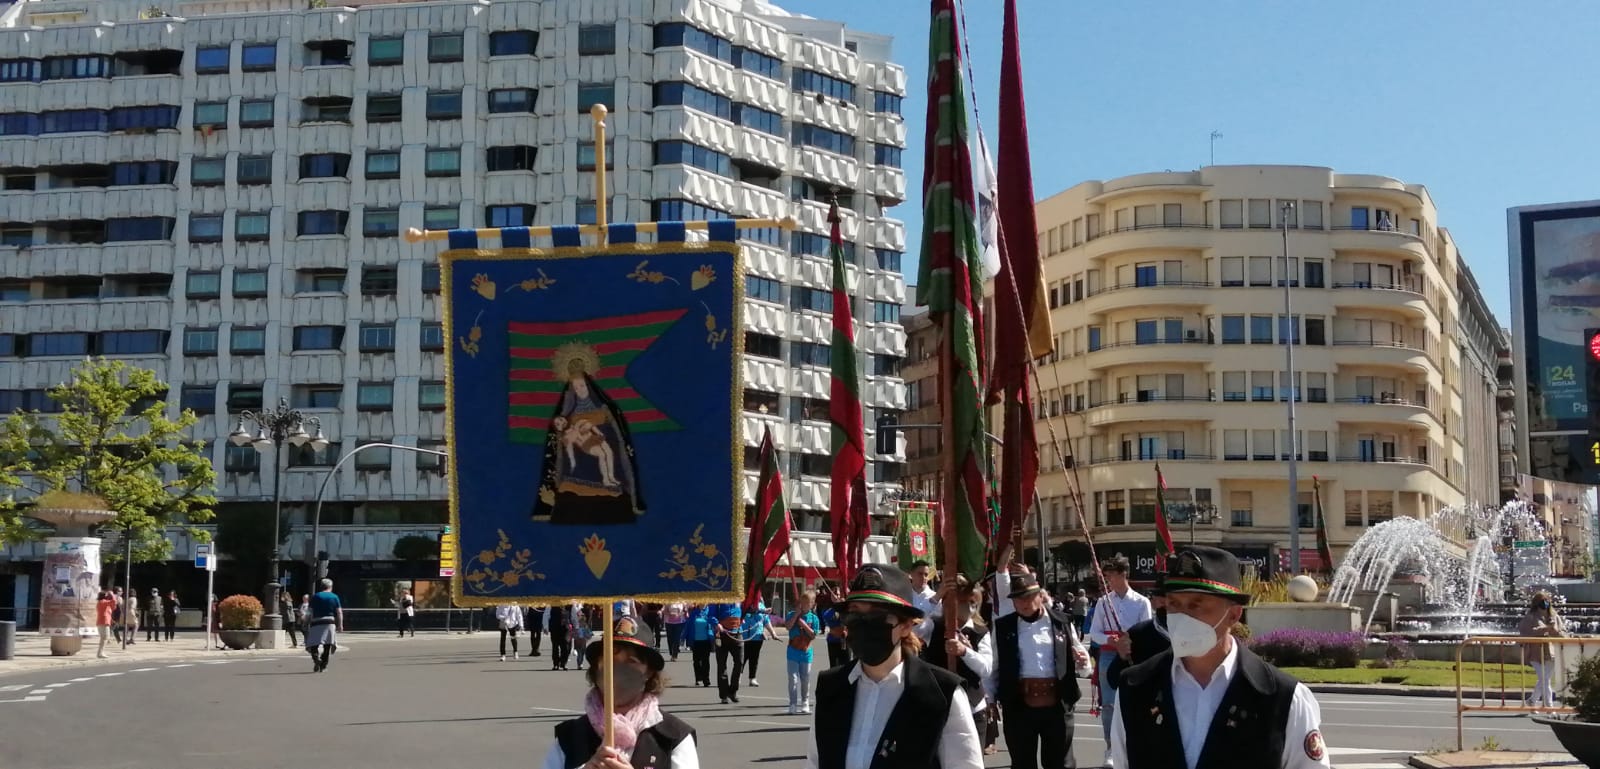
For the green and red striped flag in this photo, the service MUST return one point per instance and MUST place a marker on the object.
(950, 281)
(602, 347)
(849, 523)
(1164, 548)
(770, 525)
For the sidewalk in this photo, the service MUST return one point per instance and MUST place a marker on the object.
(33, 651)
(1492, 759)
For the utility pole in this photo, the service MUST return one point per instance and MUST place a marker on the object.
(1215, 135)
(1294, 392)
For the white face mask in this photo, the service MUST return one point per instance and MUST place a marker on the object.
(1191, 637)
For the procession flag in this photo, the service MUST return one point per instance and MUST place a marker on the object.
(770, 525)
(1164, 547)
(1324, 550)
(847, 505)
(915, 538)
(950, 281)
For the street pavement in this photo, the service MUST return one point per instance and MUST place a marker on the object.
(446, 701)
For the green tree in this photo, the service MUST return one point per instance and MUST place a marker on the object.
(416, 547)
(111, 438)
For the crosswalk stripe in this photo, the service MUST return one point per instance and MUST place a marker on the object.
(38, 692)
(13, 687)
(57, 686)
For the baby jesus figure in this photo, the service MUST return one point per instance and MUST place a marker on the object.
(582, 435)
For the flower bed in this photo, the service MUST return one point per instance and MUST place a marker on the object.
(1293, 647)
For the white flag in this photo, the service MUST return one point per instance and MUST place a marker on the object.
(988, 189)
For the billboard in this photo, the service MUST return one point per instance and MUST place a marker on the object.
(1555, 281)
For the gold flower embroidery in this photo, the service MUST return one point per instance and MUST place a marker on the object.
(714, 572)
(487, 578)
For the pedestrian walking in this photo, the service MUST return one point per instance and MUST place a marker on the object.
(755, 629)
(652, 620)
(533, 620)
(884, 711)
(1120, 608)
(304, 612)
(1080, 611)
(406, 614)
(1168, 706)
(116, 613)
(702, 641)
(972, 647)
(726, 619)
(558, 620)
(583, 629)
(509, 616)
(152, 616)
(291, 616)
(130, 616)
(1037, 660)
(169, 613)
(327, 621)
(644, 735)
(833, 623)
(1540, 621)
(673, 615)
(802, 624)
(105, 609)
(1144, 640)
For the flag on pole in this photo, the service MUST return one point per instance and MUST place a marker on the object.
(950, 281)
(847, 504)
(988, 214)
(915, 537)
(1164, 547)
(770, 525)
(1324, 550)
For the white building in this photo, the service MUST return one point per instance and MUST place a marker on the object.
(217, 193)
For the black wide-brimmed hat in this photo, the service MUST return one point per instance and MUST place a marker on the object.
(1201, 569)
(886, 585)
(1023, 585)
(626, 635)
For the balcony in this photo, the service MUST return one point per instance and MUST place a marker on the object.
(1371, 238)
(1163, 293)
(1388, 409)
(1371, 352)
(1195, 350)
(1147, 236)
(1148, 408)
(1404, 298)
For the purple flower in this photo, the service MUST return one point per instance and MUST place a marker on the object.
(1299, 647)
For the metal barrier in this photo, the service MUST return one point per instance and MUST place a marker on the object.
(458, 620)
(1511, 654)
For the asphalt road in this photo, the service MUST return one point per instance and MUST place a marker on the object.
(449, 703)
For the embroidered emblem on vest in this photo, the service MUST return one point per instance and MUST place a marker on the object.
(1314, 746)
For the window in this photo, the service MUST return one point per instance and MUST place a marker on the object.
(886, 155)
(1288, 329)
(819, 465)
(254, 169)
(503, 100)
(1232, 271)
(765, 289)
(380, 222)
(1241, 509)
(309, 456)
(19, 71)
(211, 113)
(443, 162)
(1260, 214)
(590, 94)
(597, 40)
(673, 152)
(256, 113)
(1316, 331)
(375, 396)
(688, 36)
(248, 283)
(810, 354)
(211, 60)
(1314, 277)
(383, 108)
(252, 226)
(509, 216)
(882, 101)
(586, 156)
(430, 395)
(1116, 511)
(805, 298)
(519, 42)
(319, 281)
(332, 109)
(386, 50)
(72, 121)
(1260, 270)
(887, 259)
(1146, 274)
(383, 165)
(1232, 212)
(259, 58)
(247, 341)
(377, 337)
(244, 397)
(510, 158)
(203, 285)
(1144, 332)
(325, 396)
(1261, 329)
(441, 218)
(885, 365)
(809, 135)
(1360, 218)
(885, 312)
(762, 345)
(1262, 443)
(1261, 386)
(430, 278)
(145, 119)
(322, 222)
(443, 48)
(241, 459)
(201, 399)
(205, 228)
(200, 341)
(1233, 329)
(325, 166)
(444, 105)
(318, 337)
(1311, 214)
(132, 342)
(76, 67)
(696, 98)
(1317, 386)
(207, 172)
(57, 344)
(757, 63)
(129, 229)
(374, 459)
(808, 80)
(1233, 384)
(431, 337)
(759, 119)
(429, 463)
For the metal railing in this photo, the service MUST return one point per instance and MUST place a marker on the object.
(1510, 655)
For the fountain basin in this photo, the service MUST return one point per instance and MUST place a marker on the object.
(1331, 617)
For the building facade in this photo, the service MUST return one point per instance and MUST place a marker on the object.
(1511, 464)
(215, 190)
(921, 373)
(1167, 293)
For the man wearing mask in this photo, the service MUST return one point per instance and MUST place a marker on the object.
(1038, 657)
(972, 647)
(883, 711)
(1119, 609)
(1208, 701)
(1146, 639)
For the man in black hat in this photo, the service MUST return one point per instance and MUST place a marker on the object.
(1208, 702)
(883, 711)
(972, 647)
(1037, 655)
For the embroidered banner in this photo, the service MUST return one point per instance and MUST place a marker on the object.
(594, 400)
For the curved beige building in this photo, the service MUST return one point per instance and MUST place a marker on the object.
(1167, 295)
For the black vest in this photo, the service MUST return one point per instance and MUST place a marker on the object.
(910, 738)
(1008, 659)
(653, 750)
(934, 654)
(1247, 731)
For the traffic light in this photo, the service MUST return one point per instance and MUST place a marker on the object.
(885, 437)
(1591, 378)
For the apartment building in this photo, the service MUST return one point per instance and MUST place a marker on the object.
(1167, 293)
(215, 190)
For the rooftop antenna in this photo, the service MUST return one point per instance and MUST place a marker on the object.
(1215, 135)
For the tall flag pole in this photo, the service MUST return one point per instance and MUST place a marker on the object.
(1164, 549)
(847, 504)
(769, 526)
(950, 281)
(1324, 549)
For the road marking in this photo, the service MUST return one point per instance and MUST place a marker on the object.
(142, 670)
(81, 680)
(38, 692)
(184, 665)
(57, 686)
(13, 687)
(32, 699)
(109, 675)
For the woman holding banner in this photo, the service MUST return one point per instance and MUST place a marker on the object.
(643, 734)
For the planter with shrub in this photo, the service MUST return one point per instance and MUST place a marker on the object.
(1297, 648)
(1580, 734)
(239, 616)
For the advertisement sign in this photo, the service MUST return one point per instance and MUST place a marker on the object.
(71, 586)
(1557, 258)
(1142, 559)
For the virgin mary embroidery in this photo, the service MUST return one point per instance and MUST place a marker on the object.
(590, 475)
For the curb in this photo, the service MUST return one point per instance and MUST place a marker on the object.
(1396, 690)
(46, 663)
(1524, 761)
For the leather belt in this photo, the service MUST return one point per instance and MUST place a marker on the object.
(1039, 692)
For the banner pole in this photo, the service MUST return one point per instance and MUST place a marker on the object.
(610, 698)
(601, 216)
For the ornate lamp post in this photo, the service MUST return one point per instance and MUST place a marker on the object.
(273, 428)
(1191, 513)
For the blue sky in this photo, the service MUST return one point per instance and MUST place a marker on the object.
(1488, 104)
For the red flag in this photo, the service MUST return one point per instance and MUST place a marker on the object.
(1163, 534)
(770, 526)
(847, 505)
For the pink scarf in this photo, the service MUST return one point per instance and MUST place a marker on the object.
(644, 714)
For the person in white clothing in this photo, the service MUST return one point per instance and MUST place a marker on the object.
(1120, 608)
(924, 597)
(510, 618)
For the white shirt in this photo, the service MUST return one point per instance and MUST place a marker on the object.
(875, 700)
(1036, 647)
(685, 756)
(1130, 609)
(1196, 706)
(981, 662)
(509, 615)
(924, 599)
(1002, 593)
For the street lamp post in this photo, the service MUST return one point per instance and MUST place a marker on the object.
(315, 556)
(273, 428)
(1191, 513)
(1288, 364)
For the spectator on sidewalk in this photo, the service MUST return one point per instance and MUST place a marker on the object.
(116, 613)
(152, 616)
(291, 616)
(406, 614)
(169, 613)
(105, 609)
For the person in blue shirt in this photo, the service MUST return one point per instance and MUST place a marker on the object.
(726, 618)
(802, 624)
(755, 628)
(697, 632)
(323, 626)
(832, 624)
